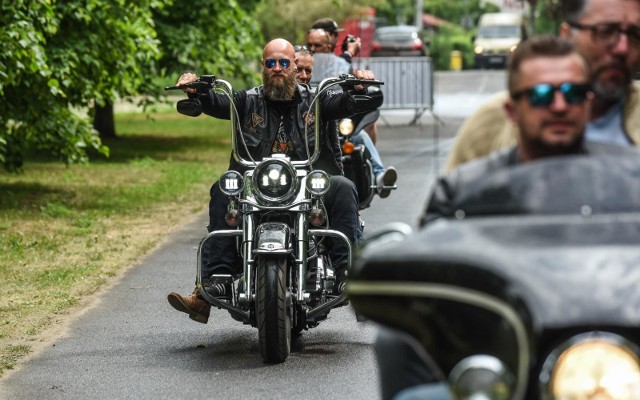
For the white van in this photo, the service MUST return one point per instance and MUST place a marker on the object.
(497, 36)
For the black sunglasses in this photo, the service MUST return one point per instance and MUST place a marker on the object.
(542, 94)
(608, 34)
(302, 47)
(270, 62)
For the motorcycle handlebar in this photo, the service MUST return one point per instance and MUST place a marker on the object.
(201, 85)
(355, 81)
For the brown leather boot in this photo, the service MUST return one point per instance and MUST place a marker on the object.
(193, 304)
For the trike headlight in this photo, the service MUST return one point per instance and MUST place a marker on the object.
(593, 365)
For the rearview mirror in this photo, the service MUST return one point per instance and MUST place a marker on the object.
(190, 107)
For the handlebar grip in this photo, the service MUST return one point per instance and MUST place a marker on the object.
(199, 86)
(355, 81)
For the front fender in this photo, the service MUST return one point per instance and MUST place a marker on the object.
(273, 238)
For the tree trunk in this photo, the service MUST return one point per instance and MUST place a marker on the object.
(103, 121)
(532, 15)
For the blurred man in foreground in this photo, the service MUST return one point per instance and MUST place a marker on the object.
(550, 101)
(607, 34)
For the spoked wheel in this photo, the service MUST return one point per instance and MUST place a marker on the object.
(273, 309)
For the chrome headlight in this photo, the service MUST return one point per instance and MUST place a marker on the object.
(317, 182)
(231, 183)
(481, 377)
(595, 365)
(274, 181)
(346, 127)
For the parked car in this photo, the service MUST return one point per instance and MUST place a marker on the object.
(398, 41)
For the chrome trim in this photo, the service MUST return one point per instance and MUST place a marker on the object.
(335, 234)
(467, 296)
(459, 375)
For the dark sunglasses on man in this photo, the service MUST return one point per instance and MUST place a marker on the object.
(542, 94)
(302, 47)
(271, 63)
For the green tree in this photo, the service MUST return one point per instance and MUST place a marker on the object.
(548, 16)
(60, 57)
(464, 13)
(64, 63)
(290, 19)
(397, 12)
(210, 36)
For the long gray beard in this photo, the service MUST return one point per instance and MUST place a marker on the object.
(280, 93)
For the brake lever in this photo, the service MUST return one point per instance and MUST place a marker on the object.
(356, 81)
(199, 86)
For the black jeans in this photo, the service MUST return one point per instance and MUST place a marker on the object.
(341, 202)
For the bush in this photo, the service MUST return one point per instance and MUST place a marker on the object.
(447, 39)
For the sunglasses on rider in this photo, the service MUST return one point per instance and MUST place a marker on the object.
(270, 63)
(542, 94)
(302, 47)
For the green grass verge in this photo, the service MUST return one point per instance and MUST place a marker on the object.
(66, 230)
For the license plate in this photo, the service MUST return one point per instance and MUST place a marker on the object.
(495, 60)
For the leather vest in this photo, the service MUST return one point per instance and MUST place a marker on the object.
(260, 122)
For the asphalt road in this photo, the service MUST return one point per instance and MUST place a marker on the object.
(132, 344)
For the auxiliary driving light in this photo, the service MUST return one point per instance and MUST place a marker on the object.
(231, 183)
(317, 182)
(592, 365)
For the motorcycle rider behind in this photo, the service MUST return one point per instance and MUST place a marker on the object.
(303, 75)
(272, 119)
(350, 48)
(320, 41)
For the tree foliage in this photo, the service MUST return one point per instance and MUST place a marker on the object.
(397, 12)
(59, 60)
(463, 13)
(548, 16)
(291, 19)
(57, 57)
(210, 36)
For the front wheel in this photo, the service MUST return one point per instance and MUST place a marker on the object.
(273, 309)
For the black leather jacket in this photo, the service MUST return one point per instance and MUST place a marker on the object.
(260, 117)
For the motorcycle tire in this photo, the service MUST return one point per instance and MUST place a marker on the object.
(273, 309)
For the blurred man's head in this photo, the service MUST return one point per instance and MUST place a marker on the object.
(607, 34)
(279, 70)
(319, 41)
(550, 97)
(305, 64)
(331, 27)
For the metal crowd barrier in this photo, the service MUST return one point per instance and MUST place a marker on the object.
(408, 82)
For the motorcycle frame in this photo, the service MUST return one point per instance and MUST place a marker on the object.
(241, 305)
